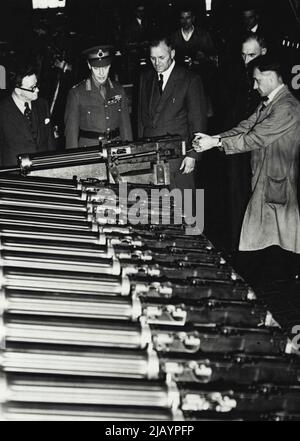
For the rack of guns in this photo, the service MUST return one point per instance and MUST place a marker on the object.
(146, 160)
(113, 321)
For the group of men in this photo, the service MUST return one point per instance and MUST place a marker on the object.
(172, 100)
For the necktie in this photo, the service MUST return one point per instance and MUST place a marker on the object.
(263, 106)
(28, 113)
(28, 116)
(103, 91)
(160, 83)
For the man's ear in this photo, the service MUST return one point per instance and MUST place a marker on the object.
(173, 53)
(90, 67)
(264, 51)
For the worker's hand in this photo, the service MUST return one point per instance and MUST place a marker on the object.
(203, 142)
(187, 165)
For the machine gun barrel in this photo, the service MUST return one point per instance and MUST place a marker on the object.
(22, 411)
(68, 304)
(40, 202)
(72, 157)
(46, 261)
(76, 223)
(39, 191)
(64, 281)
(50, 233)
(80, 361)
(64, 248)
(18, 328)
(73, 390)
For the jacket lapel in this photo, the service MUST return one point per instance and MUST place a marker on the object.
(18, 120)
(153, 95)
(110, 90)
(167, 93)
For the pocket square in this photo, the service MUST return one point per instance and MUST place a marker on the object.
(47, 120)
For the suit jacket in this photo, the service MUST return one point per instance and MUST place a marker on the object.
(180, 110)
(86, 109)
(15, 134)
(273, 137)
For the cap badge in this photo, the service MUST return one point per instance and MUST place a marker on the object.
(100, 54)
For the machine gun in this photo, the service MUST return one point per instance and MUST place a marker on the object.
(143, 161)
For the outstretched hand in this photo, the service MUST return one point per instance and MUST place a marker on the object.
(203, 142)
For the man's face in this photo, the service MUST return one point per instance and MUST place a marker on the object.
(140, 12)
(186, 20)
(100, 74)
(264, 82)
(250, 50)
(161, 57)
(250, 19)
(29, 83)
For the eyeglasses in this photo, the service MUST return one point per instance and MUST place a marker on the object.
(32, 89)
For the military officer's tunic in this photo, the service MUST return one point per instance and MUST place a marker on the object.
(87, 110)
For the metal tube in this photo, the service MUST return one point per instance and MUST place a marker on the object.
(46, 412)
(54, 234)
(48, 222)
(79, 332)
(44, 261)
(58, 248)
(43, 182)
(72, 390)
(83, 361)
(48, 202)
(63, 304)
(32, 190)
(19, 278)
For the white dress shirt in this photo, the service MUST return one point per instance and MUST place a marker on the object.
(166, 74)
(20, 103)
(272, 95)
(187, 35)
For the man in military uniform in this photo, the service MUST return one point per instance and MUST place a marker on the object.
(97, 108)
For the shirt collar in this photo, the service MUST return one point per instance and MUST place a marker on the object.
(187, 34)
(272, 95)
(107, 83)
(166, 74)
(254, 29)
(20, 103)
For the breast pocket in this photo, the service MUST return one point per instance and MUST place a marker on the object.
(276, 191)
(91, 116)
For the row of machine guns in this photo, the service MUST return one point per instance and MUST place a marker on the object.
(118, 322)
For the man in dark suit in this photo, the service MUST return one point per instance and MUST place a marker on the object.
(24, 119)
(171, 101)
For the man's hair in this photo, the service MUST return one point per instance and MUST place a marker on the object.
(188, 7)
(266, 63)
(20, 72)
(250, 5)
(158, 38)
(259, 38)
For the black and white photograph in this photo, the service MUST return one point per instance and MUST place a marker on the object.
(149, 213)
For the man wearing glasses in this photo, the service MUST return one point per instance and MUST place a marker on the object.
(24, 119)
